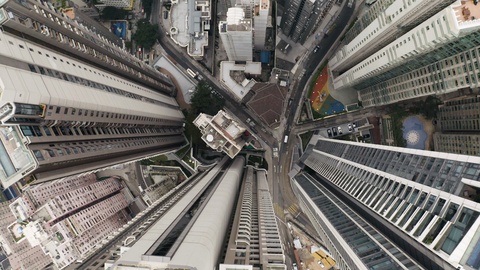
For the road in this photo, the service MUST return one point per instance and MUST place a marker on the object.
(184, 61)
(282, 193)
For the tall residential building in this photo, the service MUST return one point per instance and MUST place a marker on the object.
(261, 20)
(67, 218)
(459, 122)
(438, 55)
(41, 23)
(72, 101)
(126, 4)
(191, 234)
(237, 36)
(300, 18)
(381, 24)
(254, 239)
(410, 207)
(259, 12)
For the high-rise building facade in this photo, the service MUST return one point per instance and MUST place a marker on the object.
(381, 24)
(254, 238)
(422, 201)
(127, 4)
(459, 122)
(237, 36)
(300, 18)
(438, 55)
(190, 233)
(72, 101)
(261, 20)
(259, 12)
(66, 218)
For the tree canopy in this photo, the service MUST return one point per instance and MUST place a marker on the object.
(205, 101)
(146, 34)
(113, 13)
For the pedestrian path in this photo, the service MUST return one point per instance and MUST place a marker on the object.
(279, 211)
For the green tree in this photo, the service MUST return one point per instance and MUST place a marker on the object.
(113, 13)
(204, 101)
(146, 34)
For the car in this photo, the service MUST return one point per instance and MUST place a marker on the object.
(354, 125)
(340, 130)
(334, 131)
(365, 136)
(329, 133)
(295, 266)
(316, 49)
(349, 127)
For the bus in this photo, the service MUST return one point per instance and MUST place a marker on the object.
(191, 73)
(286, 139)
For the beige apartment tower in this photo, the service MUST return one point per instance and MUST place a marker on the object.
(72, 101)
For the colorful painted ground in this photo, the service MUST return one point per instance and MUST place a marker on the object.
(322, 102)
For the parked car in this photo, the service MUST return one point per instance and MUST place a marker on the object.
(340, 130)
(354, 125)
(334, 131)
(316, 49)
(349, 127)
(329, 133)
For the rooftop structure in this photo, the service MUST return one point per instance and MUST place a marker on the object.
(62, 114)
(418, 199)
(20, 254)
(126, 4)
(237, 35)
(232, 76)
(189, 25)
(221, 132)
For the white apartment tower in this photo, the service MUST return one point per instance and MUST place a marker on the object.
(258, 11)
(237, 36)
(260, 23)
(434, 54)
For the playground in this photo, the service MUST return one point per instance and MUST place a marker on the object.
(321, 100)
(119, 28)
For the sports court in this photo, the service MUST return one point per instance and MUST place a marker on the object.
(321, 100)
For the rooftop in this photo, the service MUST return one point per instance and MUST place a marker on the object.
(466, 11)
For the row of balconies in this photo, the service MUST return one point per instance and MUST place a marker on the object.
(91, 36)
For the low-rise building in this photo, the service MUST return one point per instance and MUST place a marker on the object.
(221, 132)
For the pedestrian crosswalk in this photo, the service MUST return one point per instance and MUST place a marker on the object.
(294, 209)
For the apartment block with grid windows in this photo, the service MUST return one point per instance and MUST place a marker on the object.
(459, 122)
(422, 201)
(61, 115)
(435, 55)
